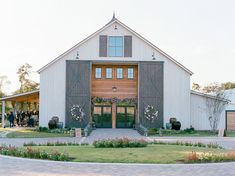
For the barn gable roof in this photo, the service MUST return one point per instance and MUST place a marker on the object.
(115, 20)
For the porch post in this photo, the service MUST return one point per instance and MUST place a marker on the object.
(114, 115)
(3, 114)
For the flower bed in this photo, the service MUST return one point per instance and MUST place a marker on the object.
(119, 143)
(195, 157)
(33, 153)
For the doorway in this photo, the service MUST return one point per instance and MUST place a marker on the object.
(102, 116)
(125, 116)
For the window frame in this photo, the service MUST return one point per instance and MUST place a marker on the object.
(100, 73)
(121, 73)
(133, 73)
(111, 73)
(108, 47)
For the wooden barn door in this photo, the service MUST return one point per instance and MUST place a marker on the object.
(78, 92)
(151, 92)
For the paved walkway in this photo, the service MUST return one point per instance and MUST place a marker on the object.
(10, 166)
(107, 133)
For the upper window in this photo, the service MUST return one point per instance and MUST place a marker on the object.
(109, 73)
(130, 73)
(115, 46)
(119, 73)
(98, 72)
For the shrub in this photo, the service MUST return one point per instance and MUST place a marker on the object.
(42, 129)
(173, 119)
(33, 153)
(119, 143)
(189, 130)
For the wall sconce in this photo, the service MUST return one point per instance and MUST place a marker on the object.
(77, 57)
(153, 56)
(115, 27)
(114, 88)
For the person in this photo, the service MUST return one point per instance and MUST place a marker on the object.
(11, 119)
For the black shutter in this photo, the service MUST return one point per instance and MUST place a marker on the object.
(127, 46)
(103, 45)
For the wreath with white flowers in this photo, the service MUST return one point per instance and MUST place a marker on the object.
(150, 113)
(77, 112)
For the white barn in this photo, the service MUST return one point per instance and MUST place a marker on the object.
(131, 68)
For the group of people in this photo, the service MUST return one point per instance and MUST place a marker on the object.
(22, 118)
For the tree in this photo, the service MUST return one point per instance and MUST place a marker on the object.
(228, 85)
(196, 87)
(212, 88)
(3, 82)
(215, 105)
(26, 84)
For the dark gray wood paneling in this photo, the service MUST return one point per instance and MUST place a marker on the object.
(127, 46)
(78, 91)
(151, 91)
(103, 41)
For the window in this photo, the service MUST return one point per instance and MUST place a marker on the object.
(119, 73)
(115, 46)
(98, 72)
(109, 72)
(130, 73)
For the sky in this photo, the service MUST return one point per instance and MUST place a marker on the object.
(200, 34)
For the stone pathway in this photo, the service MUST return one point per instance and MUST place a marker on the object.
(107, 133)
(10, 166)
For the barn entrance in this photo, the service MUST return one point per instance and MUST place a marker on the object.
(125, 116)
(102, 116)
(230, 120)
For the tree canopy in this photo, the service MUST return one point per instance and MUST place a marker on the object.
(26, 84)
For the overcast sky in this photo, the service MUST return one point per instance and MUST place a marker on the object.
(200, 34)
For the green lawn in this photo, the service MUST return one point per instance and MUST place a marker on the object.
(192, 134)
(28, 133)
(150, 154)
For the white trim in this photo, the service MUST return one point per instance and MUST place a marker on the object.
(207, 96)
(129, 29)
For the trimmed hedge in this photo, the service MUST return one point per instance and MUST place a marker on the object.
(119, 143)
(195, 144)
(33, 153)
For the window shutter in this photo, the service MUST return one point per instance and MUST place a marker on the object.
(127, 46)
(103, 45)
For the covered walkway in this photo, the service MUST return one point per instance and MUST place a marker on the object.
(31, 97)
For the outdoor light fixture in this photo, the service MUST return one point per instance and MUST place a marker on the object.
(77, 57)
(114, 88)
(153, 56)
(115, 27)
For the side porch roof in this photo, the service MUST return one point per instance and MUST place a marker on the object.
(32, 96)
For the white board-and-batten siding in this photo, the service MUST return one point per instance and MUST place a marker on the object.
(176, 79)
(199, 113)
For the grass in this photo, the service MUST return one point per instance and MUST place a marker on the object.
(29, 133)
(196, 133)
(230, 133)
(158, 154)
